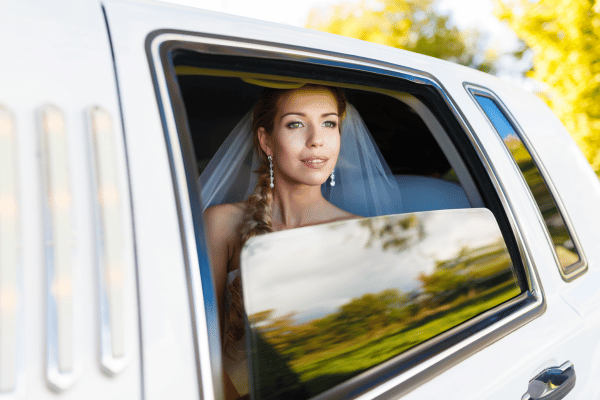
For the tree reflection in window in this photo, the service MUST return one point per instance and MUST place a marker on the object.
(459, 268)
(564, 245)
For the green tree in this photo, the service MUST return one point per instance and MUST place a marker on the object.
(369, 312)
(563, 35)
(406, 24)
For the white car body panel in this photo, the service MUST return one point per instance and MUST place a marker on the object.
(63, 57)
(42, 72)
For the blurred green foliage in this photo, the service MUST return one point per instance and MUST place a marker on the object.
(375, 327)
(564, 35)
(413, 25)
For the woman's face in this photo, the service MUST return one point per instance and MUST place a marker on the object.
(305, 141)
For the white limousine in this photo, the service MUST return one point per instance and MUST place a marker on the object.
(472, 273)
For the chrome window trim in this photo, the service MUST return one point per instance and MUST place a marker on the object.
(209, 374)
(532, 302)
(577, 269)
(103, 161)
(60, 317)
(12, 301)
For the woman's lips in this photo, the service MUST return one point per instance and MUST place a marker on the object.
(315, 162)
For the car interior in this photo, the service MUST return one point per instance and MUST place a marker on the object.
(407, 134)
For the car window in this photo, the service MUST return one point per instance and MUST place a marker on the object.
(454, 276)
(456, 290)
(565, 245)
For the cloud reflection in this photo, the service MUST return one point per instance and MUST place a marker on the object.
(330, 301)
(314, 270)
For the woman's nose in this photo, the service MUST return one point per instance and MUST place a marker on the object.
(315, 136)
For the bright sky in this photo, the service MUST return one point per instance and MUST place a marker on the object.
(466, 12)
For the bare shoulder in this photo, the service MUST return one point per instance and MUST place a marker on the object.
(342, 215)
(224, 218)
(225, 213)
(345, 215)
(227, 210)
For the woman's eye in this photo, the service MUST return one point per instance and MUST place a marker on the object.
(294, 125)
(330, 124)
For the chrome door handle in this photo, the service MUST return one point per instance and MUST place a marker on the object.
(552, 383)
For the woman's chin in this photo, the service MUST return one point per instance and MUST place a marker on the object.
(319, 180)
(313, 178)
(315, 182)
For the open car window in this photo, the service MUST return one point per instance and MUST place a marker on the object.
(423, 277)
(423, 161)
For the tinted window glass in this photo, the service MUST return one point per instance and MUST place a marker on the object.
(328, 302)
(566, 251)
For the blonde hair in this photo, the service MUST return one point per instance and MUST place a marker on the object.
(257, 215)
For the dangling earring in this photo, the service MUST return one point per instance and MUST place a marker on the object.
(332, 183)
(271, 170)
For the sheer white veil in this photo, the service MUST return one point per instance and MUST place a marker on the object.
(364, 184)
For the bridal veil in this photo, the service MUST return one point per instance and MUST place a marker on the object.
(364, 183)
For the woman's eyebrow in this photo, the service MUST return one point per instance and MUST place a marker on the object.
(304, 115)
(294, 113)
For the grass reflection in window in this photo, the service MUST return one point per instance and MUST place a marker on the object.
(393, 316)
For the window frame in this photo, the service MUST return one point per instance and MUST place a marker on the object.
(389, 378)
(575, 270)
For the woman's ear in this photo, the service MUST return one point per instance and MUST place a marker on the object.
(264, 140)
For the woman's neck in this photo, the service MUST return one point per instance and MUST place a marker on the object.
(296, 206)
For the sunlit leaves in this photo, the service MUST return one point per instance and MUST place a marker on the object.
(407, 24)
(563, 35)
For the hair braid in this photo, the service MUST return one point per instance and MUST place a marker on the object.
(256, 221)
(257, 217)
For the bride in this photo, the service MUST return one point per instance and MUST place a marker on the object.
(296, 137)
